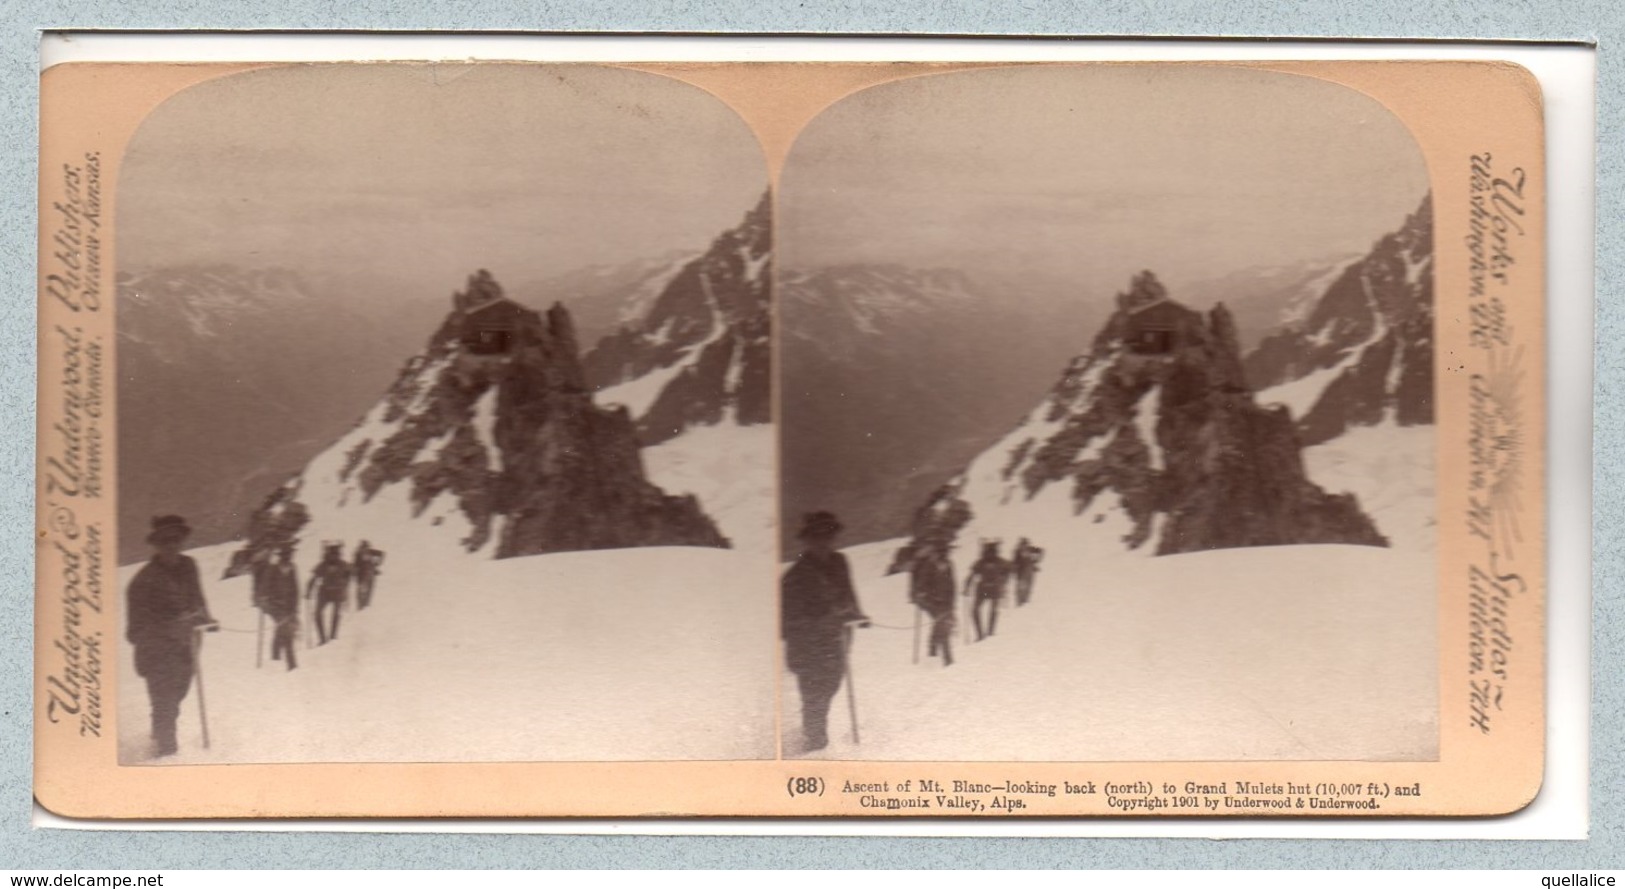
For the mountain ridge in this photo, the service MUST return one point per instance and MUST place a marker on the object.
(1363, 351)
(702, 353)
(492, 427)
(1157, 413)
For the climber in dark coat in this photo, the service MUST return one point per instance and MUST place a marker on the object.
(330, 583)
(988, 577)
(165, 611)
(931, 588)
(276, 593)
(1026, 559)
(818, 608)
(367, 561)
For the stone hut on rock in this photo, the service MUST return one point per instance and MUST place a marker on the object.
(490, 329)
(1155, 328)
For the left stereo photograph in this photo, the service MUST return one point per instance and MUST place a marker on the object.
(444, 420)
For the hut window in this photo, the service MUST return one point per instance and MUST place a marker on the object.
(1153, 341)
(491, 341)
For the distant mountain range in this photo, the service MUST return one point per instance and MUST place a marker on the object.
(893, 377)
(229, 379)
(1263, 298)
(602, 299)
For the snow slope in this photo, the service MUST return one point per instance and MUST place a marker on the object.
(733, 471)
(1391, 469)
(595, 655)
(1292, 653)
(1286, 652)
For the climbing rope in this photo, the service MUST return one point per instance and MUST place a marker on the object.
(890, 627)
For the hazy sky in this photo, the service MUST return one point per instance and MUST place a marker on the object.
(428, 172)
(1093, 173)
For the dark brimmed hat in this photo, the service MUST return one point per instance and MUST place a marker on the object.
(168, 527)
(819, 524)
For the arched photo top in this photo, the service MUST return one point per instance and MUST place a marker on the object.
(422, 171)
(1094, 171)
(312, 222)
(474, 318)
(1025, 313)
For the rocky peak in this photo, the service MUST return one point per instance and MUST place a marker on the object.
(1364, 353)
(1144, 290)
(509, 435)
(1158, 417)
(481, 290)
(706, 337)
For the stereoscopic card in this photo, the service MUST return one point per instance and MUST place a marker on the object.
(794, 439)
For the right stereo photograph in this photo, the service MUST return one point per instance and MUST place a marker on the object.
(1107, 421)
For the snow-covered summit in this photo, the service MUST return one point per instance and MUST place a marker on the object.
(700, 353)
(692, 365)
(1362, 353)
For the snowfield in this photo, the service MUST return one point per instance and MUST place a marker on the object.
(636, 654)
(1322, 652)
(1271, 653)
(733, 470)
(1391, 469)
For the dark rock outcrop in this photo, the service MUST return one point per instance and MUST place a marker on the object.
(507, 427)
(1371, 333)
(1159, 414)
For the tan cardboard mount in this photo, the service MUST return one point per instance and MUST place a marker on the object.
(1491, 725)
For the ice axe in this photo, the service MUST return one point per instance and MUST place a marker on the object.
(197, 671)
(970, 606)
(851, 693)
(917, 611)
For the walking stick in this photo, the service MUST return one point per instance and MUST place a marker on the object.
(851, 695)
(917, 611)
(259, 643)
(197, 670)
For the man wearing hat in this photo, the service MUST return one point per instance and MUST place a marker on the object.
(166, 608)
(276, 592)
(817, 606)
